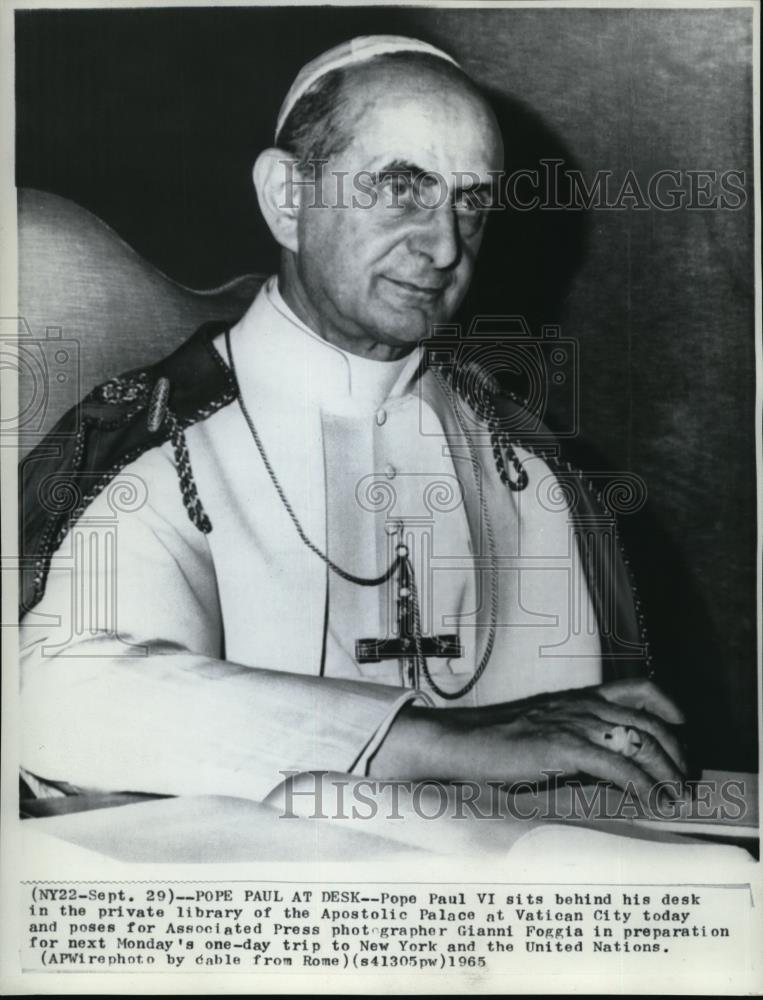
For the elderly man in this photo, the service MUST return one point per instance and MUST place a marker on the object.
(340, 560)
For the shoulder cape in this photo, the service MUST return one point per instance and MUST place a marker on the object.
(114, 425)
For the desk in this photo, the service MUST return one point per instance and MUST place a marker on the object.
(212, 829)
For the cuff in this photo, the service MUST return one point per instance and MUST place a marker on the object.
(361, 763)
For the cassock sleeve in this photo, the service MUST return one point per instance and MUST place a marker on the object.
(123, 684)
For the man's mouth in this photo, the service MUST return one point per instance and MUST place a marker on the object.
(412, 289)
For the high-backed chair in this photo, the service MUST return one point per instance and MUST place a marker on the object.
(91, 307)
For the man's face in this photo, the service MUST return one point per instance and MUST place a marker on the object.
(373, 275)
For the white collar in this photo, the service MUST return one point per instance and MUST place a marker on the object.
(271, 343)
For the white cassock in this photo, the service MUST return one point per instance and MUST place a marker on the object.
(165, 660)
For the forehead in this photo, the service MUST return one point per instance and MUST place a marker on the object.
(419, 116)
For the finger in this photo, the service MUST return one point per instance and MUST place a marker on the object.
(642, 694)
(650, 757)
(603, 764)
(647, 752)
(652, 724)
(598, 714)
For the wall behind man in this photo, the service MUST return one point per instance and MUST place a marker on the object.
(152, 119)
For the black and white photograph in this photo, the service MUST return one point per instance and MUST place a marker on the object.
(381, 448)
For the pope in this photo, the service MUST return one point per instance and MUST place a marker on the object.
(336, 557)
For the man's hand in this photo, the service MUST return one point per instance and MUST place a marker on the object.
(618, 732)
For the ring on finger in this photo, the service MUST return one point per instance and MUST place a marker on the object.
(624, 740)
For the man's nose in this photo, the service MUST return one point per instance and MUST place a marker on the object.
(436, 236)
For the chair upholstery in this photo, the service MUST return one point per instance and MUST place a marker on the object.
(91, 308)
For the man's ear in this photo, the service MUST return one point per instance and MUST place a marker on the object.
(276, 181)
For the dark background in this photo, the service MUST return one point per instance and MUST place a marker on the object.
(152, 120)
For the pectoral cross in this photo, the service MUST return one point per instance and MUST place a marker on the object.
(406, 647)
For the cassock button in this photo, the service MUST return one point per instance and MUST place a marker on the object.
(381, 416)
(390, 471)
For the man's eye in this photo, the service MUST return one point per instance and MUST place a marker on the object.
(470, 214)
(470, 208)
(397, 187)
(473, 201)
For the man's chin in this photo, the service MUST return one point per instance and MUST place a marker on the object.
(405, 338)
(407, 327)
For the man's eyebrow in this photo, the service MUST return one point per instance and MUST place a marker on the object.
(402, 167)
(398, 166)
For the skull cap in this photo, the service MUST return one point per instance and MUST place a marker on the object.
(356, 50)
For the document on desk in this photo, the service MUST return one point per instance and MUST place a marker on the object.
(199, 830)
(380, 486)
